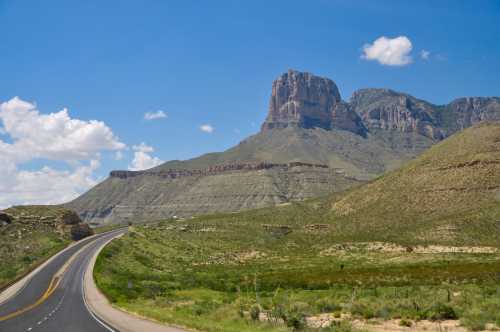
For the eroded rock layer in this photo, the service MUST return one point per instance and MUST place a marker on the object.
(128, 196)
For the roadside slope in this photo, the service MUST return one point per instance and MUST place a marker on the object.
(32, 234)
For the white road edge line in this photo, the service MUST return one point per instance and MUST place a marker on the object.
(106, 326)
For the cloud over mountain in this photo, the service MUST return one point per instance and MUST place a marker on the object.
(389, 51)
(142, 158)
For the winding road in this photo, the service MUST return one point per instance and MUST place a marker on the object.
(48, 303)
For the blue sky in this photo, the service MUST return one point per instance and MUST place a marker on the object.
(213, 63)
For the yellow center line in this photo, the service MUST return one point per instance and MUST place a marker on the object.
(52, 287)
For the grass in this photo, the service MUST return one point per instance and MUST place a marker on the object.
(188, 273)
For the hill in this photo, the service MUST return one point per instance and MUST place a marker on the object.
(450, 194)
(31, 234)
(308, 122)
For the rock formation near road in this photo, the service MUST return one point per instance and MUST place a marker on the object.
(311, 143)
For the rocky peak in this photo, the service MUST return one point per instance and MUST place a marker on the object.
(305, 100)
(390, 110)
(470, 110)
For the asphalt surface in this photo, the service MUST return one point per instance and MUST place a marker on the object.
(65, 309)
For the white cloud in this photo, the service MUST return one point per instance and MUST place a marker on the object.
(46, 185)
(142, 158)
(154, 115)
(54, 136)
(424, 54)
(390, 52)
(207, 128)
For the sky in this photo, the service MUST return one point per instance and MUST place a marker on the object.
(91, 86)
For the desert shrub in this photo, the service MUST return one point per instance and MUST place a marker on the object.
(405, 322)
(474, 320)
(255, 312)
(362, 310)
(295, 319)
(327, 305)
(342, 326)
(441, 311)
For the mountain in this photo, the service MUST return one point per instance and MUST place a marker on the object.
(311, 143)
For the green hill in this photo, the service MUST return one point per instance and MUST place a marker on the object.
(450, 194)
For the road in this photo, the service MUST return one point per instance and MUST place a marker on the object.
(62, 308)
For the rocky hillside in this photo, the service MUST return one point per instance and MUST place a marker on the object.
(30, 234)
(165, 194)
(307, 122)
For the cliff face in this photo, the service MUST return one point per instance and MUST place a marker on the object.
(311, 143)
(308, 101)
(388, 110)
(465, 112)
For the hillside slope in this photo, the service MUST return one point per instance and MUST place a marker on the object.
(451, 193)
(30, 234)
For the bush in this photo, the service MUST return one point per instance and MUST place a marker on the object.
(474, 320)
(80, 231)
(362, 310)
(296, 320)
(342, 326)
(255, 312)
(327, 305)
(441, 311)
(405, 322)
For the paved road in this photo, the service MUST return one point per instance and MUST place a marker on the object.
(65, 309)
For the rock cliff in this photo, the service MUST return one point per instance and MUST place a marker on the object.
(308, 101)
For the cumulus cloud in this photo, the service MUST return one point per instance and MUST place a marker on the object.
(55, 136)
(142, 158)
(424, 54)
(207, 128)
(154, 115)
(389, 52)
(46, 185)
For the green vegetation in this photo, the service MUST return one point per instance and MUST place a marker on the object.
(189, 273)
(34, 234)
(420, 243)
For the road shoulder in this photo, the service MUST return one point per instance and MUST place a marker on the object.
(99, 305)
